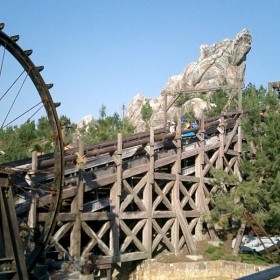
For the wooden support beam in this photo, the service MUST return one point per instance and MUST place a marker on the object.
(11, 245)
(131, 236)
(32, 211)
(175, 194)
(161, 235)
(96, 238)
(77, 207)
(115, 194)
(137, 188)
(148, 197)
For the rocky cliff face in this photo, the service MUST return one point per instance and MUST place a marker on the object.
(221, 64)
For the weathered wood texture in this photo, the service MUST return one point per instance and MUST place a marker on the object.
(127, 208)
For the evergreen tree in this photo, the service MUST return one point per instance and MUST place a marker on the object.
(105, 128)
(259, 192)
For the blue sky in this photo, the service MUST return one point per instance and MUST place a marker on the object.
(105, 52)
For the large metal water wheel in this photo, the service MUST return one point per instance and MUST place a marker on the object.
(25, 98)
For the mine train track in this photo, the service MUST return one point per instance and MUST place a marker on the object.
(131, 146)
(98, 157)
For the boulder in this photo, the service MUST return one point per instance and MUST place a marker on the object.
(219, 65)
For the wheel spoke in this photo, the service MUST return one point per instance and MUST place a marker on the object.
(12, 105)
(24, 113)
(5, 93)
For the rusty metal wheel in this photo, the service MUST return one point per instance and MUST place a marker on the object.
(24, 98)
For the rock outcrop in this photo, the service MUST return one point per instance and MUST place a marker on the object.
(219, 65)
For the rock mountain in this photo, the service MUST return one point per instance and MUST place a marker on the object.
(220, 65)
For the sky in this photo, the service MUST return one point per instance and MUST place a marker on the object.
(104, 52)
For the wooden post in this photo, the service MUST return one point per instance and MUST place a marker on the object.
(238, 239)
(221, 129)
(176, 169)
(204, 205)
(32, 212)
(77, 207)
(9, 227)
(181, 220)
(199, 191)
(115, 194)
(148, 198)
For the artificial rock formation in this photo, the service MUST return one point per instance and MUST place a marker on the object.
(219, 65)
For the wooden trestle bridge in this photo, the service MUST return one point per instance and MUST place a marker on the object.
(128, 199)
(114, 202)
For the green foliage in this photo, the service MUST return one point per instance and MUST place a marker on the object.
(216, 252)
(225, 197)
(257, 259)
(211, 250)
(70, 130)
(219, 98)
(18, 142)
(259, 192)
(106, 128)
(189, 113)
(217, 257)
(184, 97)
(146, 112)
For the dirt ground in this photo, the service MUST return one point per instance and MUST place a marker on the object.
(206, 249)
(209, 252)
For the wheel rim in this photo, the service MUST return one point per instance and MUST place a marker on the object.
(28, 78)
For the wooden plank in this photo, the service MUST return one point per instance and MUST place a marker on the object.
(148, 197)
(163, 214)
(101, 182)
(94, 241)
(130, 197)
(211, 162)
(137, 200)
(164, 176)
(77, 207)
(128, 257)
(165, 161)
(14, 249)
(137, 215)
(191, 214)
(185, 228)
(161, 234)
(187, 197)
(115, 193)
(62, 251)
(162, 195)
(135, 171)
(232, 152)
(63, 217)
(97, 216)
(193, 179)
(33, 209)
(131, 236)
(231, 136)
(97, 239)
(62, 231)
